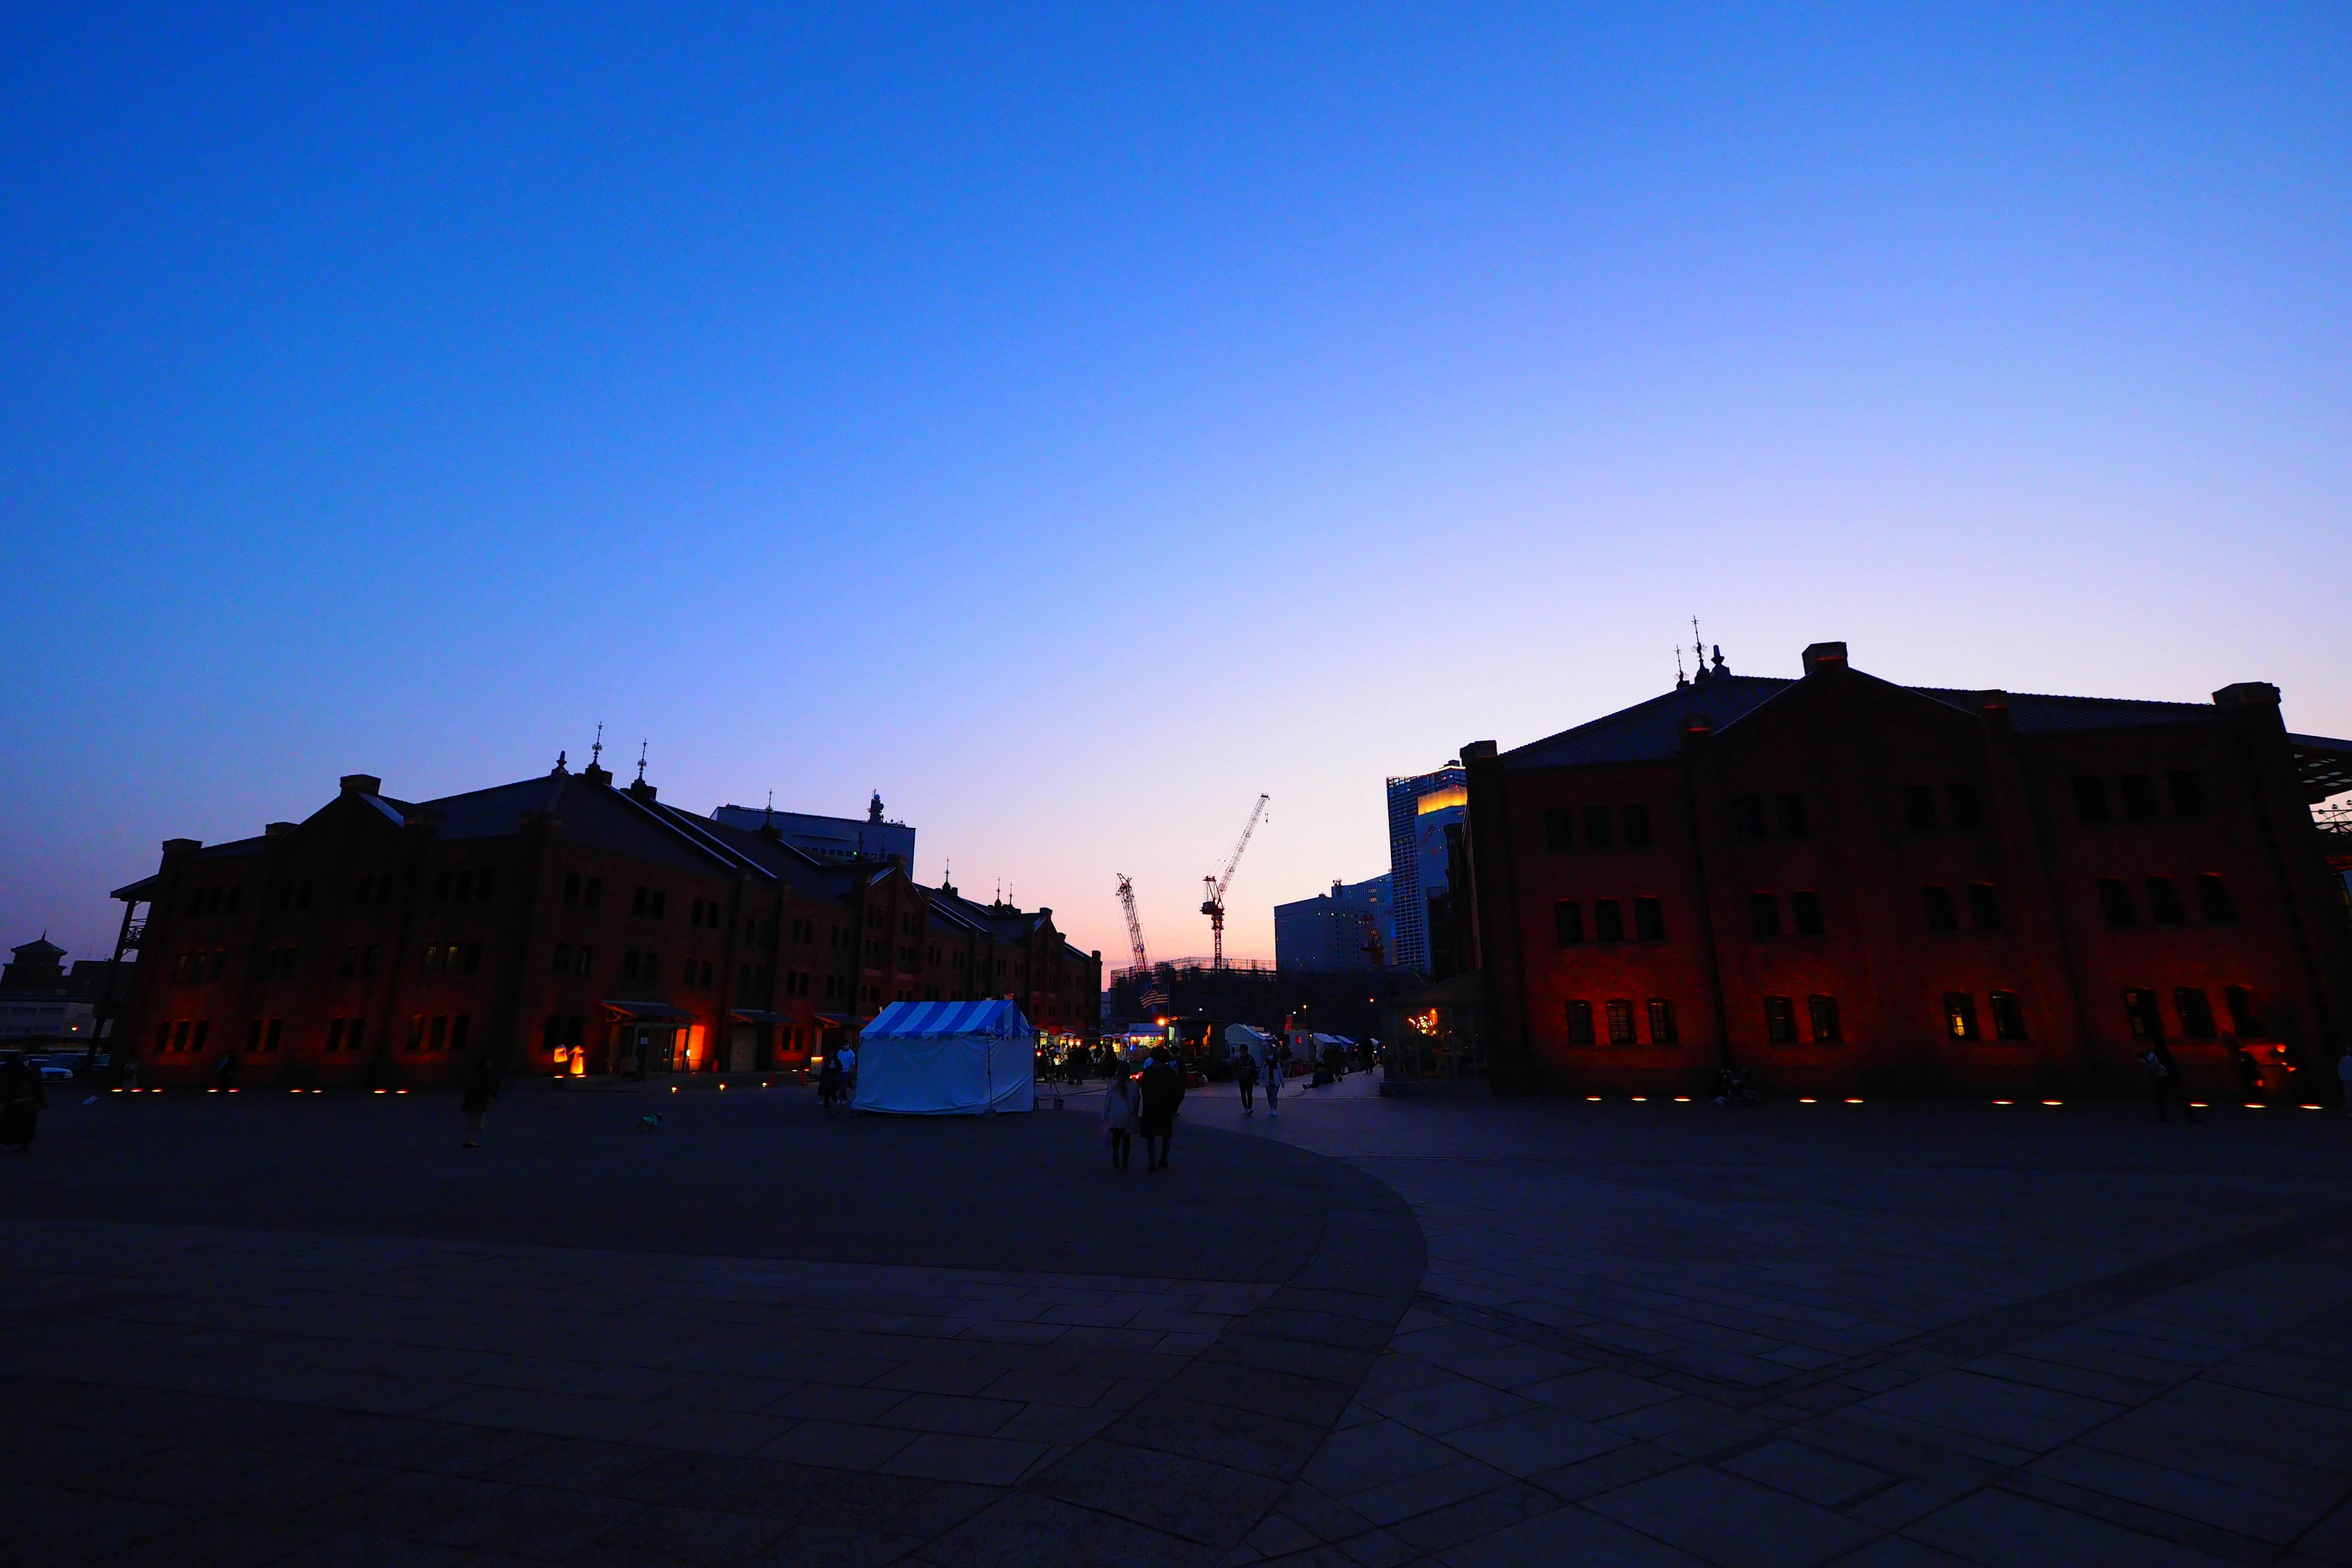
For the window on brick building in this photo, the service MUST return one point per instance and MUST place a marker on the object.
(1748, 816)
(1780, 1020)
(1984, 906)
(2091, 798)
(1805, 913)
(1608, 920)
(2196, 1012)
(2140, 795)
(1822, 1014)
(1919, 806)
(629, 962)
(639, 901)
(459, 1028)
(1620, 1023)
(1941, 914)
(592, 895)
(1790, 811)
(1637, 823)
(1959, 1014)
(1649, 919)
(1966, 810)
(1599, 832)
(465, 887)
(1579, 1023)
(2008, 1016)
(2213, 899)
(2164, 902)
(1566, 922)
(1662, 1023)
(2115, 902)
(2140, 1014)
(2245, 1012)
(1763, 915)
(2187, 792)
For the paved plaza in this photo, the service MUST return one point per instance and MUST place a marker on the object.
(309, 1330)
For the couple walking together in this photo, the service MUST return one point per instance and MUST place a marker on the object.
(1146, 1104)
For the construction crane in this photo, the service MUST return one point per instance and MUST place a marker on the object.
(1134, 926)
(1213, 906)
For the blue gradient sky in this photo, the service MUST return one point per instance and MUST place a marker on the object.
(1074, 424)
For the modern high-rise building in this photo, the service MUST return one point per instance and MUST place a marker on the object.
(1421, 810)
(1352, 927)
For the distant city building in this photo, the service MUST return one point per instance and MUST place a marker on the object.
(1425, 817)
(39, 1000)
(829, 837)
(1352, 927)
(1840, 886)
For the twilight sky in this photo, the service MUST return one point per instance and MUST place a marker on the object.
(1072, 424)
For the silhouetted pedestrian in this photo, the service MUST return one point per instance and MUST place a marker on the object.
(1245, 1074)
(828, 1082)
(481, 1088)
(22, 1096)
(1118, 1119)
(2165, 1073)
(1160, 1090)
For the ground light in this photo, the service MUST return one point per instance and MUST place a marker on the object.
(1854, 1102)
(2053, 1102)
(2004, 1103)
(1806, 1100)
(1682, 1100)
(2315, 1108)
(1640, 1099)
(1594, 1098)
(2255, 1105)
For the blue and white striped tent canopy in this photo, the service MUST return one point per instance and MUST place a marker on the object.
(918, 1020)
(946, 1058)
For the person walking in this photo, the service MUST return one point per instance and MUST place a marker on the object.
(2165, 1073)
(481, 1088)
(847, 1057)
(828, 1081)
(22, 1096)
(1273, 1077)
(1118, 1119)
(1160, 1088)
(1245, 1074)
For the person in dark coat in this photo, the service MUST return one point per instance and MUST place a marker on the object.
(481, 1088)
(22, 1095)
(2165, 1073)
(1162, 1090)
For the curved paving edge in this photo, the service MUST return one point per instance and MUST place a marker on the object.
(1186, 1475)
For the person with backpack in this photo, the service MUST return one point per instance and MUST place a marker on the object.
(1275, 1051)
(1245, 1075)
(2165, 1073)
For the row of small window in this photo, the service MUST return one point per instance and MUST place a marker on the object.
(439, 1031)
(1804, 914)
(2194, 1009)
(560, 1031)
(1601, 823)
(2138, 794)
(1620, 1016)
(450, 958)
(190, 966)
(1961, 801)
(1750, 821)
(646, 967)
(220, 899)
(2164, 902)
(1607, 922)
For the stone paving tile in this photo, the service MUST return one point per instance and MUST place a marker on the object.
(1726, 1520)
(1996, 1528)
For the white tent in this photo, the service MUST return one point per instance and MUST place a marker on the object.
(946, 1058)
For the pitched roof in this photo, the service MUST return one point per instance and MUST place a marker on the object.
(1652, 730)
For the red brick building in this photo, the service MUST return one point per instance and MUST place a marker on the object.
(566, 924)
(1843, 886)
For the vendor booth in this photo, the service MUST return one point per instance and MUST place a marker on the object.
(946, 1058)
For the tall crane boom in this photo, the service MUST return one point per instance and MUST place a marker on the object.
(1213, 905)
(1134, 926)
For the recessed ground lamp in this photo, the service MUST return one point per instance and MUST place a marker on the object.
(1804, 1099)
(2255, 1105)
(2053, 1102)
(2004, 1103)
(1682, 1100)
(2315, 1108)
(1594, 1098)
(1640, 1099)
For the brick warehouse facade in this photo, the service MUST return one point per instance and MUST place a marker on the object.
(564, 921)
(1842, 886)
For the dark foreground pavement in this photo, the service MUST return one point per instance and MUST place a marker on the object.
(311, 1330)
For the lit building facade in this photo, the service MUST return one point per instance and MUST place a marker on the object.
(1842, 886)
(565, 924)
(1352, 927)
